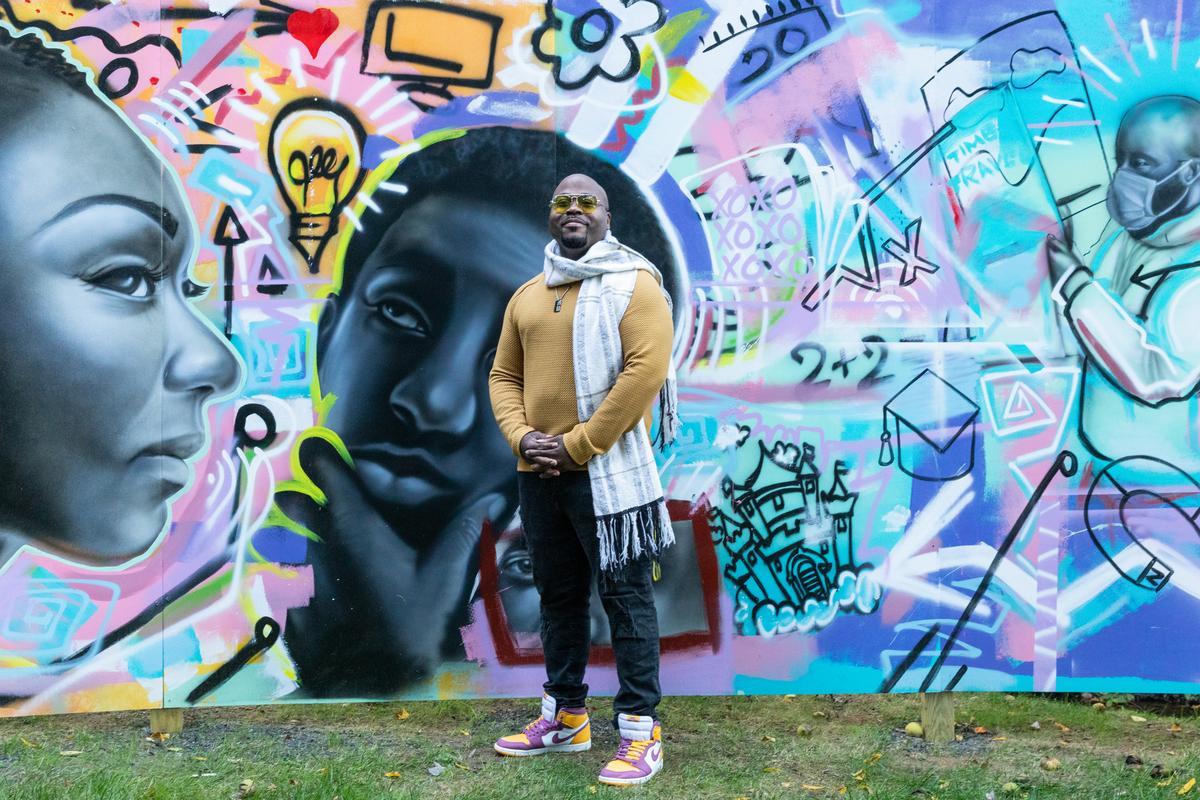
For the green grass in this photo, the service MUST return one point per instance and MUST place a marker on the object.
(724, 747)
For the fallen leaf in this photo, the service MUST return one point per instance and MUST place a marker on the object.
(1164, 783)
(158, 737)
(592, 789)
(1187, 787)
(1062, 727)
(914, 729)
(999, 738)
(979, 729)
(174, 749)
(462, 766)
(464, 732)
(1136, 718)
(245, 788)
(768, 738)
(1132, 761)
(1051, 764)
(873, 758)
(436, 769)
(1159, 771)
(860, 776)
(1099, 706)
(392, 775)
(1010, 788)
(1176, 727)
(1035, 725)
(804, 730)
(403, 714)
(28, 743)
(70, 752)
(199, 758)
(770, 769)
(786, 785)
(820, 714)
(812, 787)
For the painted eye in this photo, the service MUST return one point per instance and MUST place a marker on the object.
(136, 282)
(403, 316)
(517, 565)
(193, 290)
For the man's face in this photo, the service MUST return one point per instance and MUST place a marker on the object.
(406, 351)
(1157, 148)
(1153, 146)
(574, 229)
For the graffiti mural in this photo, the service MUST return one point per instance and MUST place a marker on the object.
(933, 272)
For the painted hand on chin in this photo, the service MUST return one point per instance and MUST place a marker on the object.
(374, 594)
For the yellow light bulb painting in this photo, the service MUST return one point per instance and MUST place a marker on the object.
(315, 153)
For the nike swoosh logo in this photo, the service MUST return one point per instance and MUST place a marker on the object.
(654, 756)
(562, 737)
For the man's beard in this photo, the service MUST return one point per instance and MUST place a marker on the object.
(574, 241)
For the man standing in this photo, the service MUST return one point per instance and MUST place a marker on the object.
(584, 351)
(1134, 312)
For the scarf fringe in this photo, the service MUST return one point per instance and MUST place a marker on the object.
(627, 535)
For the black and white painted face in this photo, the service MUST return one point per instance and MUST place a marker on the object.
(105, 368)
(406, 352)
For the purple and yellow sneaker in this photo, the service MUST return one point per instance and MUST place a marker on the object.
(557, 730)
(640, 756)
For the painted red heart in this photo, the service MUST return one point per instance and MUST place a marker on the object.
(312, 28)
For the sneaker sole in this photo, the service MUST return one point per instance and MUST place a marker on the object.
(628, 781)
(541, 751)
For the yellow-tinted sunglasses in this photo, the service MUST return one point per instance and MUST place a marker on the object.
(563, 202)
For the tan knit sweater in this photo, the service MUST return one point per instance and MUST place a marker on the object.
(532, 382)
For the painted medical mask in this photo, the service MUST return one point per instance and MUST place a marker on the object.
(1131, 198)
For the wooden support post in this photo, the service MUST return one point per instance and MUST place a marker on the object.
(937, 716)
(166, 720)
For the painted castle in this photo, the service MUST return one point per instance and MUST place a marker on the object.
(787, 540)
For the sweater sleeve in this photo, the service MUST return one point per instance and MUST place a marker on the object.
(506, 382)
(1156, 360)
(646, 336)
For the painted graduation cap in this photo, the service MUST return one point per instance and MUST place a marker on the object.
(934, 429)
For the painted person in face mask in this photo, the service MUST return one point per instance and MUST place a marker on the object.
(1134, 311)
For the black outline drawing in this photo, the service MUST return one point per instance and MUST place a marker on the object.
(1067, 464)
(909, 254)
(420, 80)
(1151, 572)
(791, 541)
(266, 633)
(229, 234)
(553, 23)
(868, 276)
(766, 17)
(298, 234)
(898, 417)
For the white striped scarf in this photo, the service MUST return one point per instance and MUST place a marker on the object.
(627, 493)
